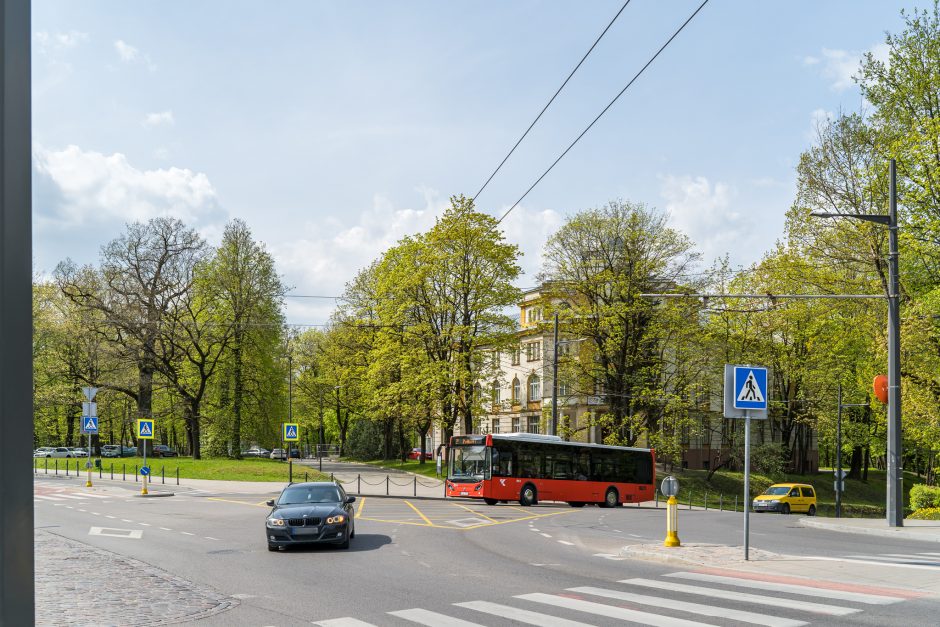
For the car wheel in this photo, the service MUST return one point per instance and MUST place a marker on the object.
(528, 495)
(785, 509)
(491, 501)
(611, 498)
(272, 547)
(575, 503)
(811, 511)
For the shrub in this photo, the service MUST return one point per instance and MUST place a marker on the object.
(928, 513)
(925, 496)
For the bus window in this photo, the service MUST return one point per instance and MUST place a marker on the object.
(502, 462)
(530, 465)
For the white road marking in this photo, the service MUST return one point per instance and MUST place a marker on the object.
(93, 496)
(210, 538)
(126, 520)
(695, 608)
(166, 528)
(186, 533)
(111, 517)
(96, 514)
(545, 535)
(433, 619)
(610, 611)
(870, 562)
(924, 561)
(71, 496)
(144, 524)
(343, 622)
(566, 542)
(83, 510)
(518, 615)
(134, 534)
(69, 507)
(46, 498)
(733, 595)
(806, 590)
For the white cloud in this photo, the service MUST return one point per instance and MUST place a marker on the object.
(702, 211)
(840, 67)
(131, 54)
(77, 188)
(159, 119)
(127, 52)
(49, 43)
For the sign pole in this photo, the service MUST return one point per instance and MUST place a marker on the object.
(88, 462)
(839, 457)
(747, 480)
(143, 484)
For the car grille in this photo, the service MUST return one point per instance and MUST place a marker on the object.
(303, 522)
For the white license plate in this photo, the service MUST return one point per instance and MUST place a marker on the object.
(464, 494)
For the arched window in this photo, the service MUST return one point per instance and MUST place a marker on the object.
(516, 390)
(495, 392)
(535, 389)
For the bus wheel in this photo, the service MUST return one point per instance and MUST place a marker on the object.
(575, 503)
(491, 501)
(527, 496)
(611, 498)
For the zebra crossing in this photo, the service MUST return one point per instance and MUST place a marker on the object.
(694, 598)
(928, 559)
(63, 496)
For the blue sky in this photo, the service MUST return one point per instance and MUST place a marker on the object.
(335, 128)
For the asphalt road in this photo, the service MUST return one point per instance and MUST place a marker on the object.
(423, 557)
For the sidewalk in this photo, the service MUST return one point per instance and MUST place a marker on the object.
(924, 530)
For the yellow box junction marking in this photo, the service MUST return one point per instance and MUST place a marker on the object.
(362, 502)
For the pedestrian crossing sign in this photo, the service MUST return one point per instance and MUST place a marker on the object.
(750, 387)
(145, 429)
(90, 425)
(291, 432)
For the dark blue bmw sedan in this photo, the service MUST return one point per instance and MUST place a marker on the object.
(309, 513)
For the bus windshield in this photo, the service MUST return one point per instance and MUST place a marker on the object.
(468, 463)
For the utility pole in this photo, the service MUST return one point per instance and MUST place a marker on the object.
(895, 504)
(555, 381)
(839, 484)
(16, 328)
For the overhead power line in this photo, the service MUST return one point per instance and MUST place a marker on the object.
(599, 115)
(551, 100)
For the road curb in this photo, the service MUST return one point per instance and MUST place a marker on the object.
(155, 495)
(932, 535)
(719, 555)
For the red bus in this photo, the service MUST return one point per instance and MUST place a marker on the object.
(528, 468)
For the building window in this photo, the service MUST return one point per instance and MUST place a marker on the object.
(495, 392)
(532, 424)
(562, 387)
(535, 389)
(516, 428)
(516, 390)
(533, 314)
(515, 356)
(495, 428)
(564, 348)
(532, 351)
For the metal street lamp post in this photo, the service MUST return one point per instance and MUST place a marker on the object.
(895, 498)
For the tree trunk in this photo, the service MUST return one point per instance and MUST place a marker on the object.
(192, 428)
(237, 396)
(855, 467)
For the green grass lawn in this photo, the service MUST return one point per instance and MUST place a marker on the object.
(222, 469)
(427, 469)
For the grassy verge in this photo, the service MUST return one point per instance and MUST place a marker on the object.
(220, 469)
(862, 499)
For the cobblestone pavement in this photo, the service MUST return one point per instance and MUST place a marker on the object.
(77, 584)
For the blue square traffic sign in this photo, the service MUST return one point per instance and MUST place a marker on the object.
(90, 425)
(750, 387)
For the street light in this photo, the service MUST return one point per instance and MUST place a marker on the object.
(895, 499)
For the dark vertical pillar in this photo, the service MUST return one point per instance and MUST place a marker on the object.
(16, 375)
(895, 500)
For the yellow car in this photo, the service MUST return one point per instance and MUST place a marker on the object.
(786, 498)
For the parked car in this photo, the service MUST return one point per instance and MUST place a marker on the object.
(42, 450)
(162, 450)
(256, 451)
(416, 454)
(278, 453)
(128, 451)
(111, 450)
(295, 453)
(58, 451)
(78, 451)
(310, 513)
(787, 497)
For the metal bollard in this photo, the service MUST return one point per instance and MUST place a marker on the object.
(358, 483)
(305, 476)
(123, 472)
(57, 466)
(735, 502)
(386, 485)
(657, 497)
(416, 485)
(112, 470)
(177, 475)
(100, 469)
(47, 465)
(721, 497)
(66, 468)
(135, 473)
(162, 475)
(690, 499)
(706, 500)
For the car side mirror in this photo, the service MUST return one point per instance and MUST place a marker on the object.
(270, 503)
(350, 499)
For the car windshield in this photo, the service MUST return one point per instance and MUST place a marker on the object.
(299, 495)
(777, 490)
(468, 462)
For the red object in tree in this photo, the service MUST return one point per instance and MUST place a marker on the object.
(881, 388)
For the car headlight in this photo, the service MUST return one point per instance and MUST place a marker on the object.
(276, 522)
(336, 520)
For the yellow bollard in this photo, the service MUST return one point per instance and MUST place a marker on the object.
(672, 522)
(88, 483)
(143, 489)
